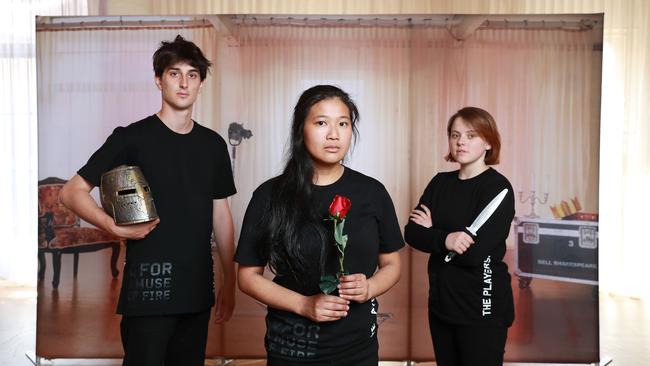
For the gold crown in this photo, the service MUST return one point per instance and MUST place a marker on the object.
(564, 208)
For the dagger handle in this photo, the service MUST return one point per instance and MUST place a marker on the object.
(451, 255)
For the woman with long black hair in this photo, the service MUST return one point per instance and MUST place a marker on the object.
(322, 228)
(470, 297)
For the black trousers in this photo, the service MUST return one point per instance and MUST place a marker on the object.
(456, 345)
(169, 340)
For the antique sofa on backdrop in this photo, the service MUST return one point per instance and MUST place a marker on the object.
(60, 232)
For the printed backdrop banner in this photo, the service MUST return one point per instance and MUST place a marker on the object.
(541, 85)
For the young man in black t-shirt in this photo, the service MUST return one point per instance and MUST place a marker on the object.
(168, 282)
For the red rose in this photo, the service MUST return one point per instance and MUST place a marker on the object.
(339, 207)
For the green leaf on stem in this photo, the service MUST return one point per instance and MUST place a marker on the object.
(338, 231)
(328, 283)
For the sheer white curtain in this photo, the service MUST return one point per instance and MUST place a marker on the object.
(625, 152)
(18, 156)
(272, 65)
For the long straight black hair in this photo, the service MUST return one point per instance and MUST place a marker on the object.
(291, 209)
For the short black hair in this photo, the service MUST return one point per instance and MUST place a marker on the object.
(180, 50)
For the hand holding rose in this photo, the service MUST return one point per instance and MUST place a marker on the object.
(355, 287)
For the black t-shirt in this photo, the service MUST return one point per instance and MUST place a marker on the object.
(473, 288)
(372, 228)
(170, 270)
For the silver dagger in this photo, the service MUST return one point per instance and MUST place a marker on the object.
(482, 218)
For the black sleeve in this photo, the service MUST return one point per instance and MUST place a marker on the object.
(249, 248)
(495, 230)
(225, 183)
(111, 154)
(428, 240)
(390, 235)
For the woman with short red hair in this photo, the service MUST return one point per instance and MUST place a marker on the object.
(470, 298)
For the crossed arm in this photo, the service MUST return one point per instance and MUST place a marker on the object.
(458, 241)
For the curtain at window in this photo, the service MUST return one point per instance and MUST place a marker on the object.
(276, 64)
(18, 144)
(625, 151)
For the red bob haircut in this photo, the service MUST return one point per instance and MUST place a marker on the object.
(484, 125)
